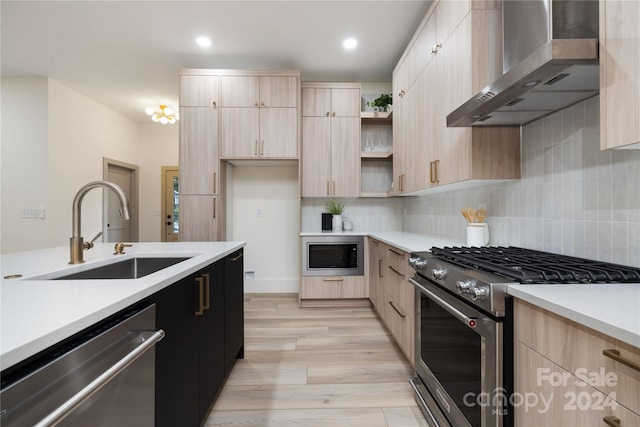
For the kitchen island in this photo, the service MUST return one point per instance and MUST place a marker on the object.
(37, 312)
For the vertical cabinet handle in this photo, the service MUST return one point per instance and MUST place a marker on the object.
(334, 188)
(207, 292)
(437, 163)
(214, 208)
(328, 189)
(380, 270)
(214, 104)
(214, 182)
(255, 148)
(262, 148)
(612, 421)
(433, 172)
(200, 310)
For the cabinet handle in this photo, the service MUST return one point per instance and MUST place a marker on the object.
(396, 252)
(334, 188)
(328, 114)
(262, 148)
(214, 208)
(200, 311)
(396, 309)
(262, 104)
(396, 271)
(328, 190)
(333, 114)
(214, 104)
(256, 105)
(433, 172)
(255, 148)
(612, 421)
(436, 47)
(338, 279)
(380, 269)
(615, 355)
(207, 292)
(214, 182)
(237, 257)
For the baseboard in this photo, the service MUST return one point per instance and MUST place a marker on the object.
(276, 286)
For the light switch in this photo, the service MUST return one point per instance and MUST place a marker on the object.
(259, 212)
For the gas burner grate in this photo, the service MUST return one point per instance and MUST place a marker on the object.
(532, 266)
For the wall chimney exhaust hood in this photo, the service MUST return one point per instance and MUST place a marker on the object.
(550, 62)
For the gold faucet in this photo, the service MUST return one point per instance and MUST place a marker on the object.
(76, 244)
(119, 248)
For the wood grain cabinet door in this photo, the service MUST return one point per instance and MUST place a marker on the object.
(199, 162)
(316, 156)
(240, 135)
(240, 91)
(279, 132)
(278, 92)
(345, 156)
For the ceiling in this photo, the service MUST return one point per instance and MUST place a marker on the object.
(127, 55)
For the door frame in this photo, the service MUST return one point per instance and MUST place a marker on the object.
(134, 211)
(163, 198)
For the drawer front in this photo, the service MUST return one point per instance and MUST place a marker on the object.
(333, 287)
(397, 260)
(579, 350)
(556, 397)
(400, 324)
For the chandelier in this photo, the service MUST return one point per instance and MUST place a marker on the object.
(164, 115)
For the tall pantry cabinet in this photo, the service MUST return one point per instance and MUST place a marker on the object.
(228, 115)
(199, 179)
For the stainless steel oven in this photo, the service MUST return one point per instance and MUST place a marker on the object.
(331, 255)
(464, 325)
(458, 360)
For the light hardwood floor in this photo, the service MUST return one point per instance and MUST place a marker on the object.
(315, 367)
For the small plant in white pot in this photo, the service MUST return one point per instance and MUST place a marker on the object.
(335, 208)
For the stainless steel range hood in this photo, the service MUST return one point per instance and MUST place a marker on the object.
(550, 57)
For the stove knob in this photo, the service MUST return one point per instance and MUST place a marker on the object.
(417, 263)
(439, 273)
(479, 293)
(463, 286)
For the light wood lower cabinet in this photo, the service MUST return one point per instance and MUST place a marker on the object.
(393, 295)
(333, 287)
(562, 367)
(199, 218)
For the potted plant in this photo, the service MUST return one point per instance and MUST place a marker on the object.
(382, 103)
(335, 208)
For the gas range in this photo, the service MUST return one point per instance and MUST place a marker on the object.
(481, 275)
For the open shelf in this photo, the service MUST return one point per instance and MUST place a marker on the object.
(376, 154)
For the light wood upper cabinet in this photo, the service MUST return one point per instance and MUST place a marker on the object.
(199, 91)
(466, 57)
(199, 162)
(619, 74)
(259, 117)
(331, 140)
(325, 102)
(259, 91)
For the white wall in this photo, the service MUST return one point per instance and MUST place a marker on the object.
(53, 142)
(272, 249)
(365, 214)
(24, 161)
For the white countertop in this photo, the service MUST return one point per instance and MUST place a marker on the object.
(610, 308)
(36, 314)
(408, 242)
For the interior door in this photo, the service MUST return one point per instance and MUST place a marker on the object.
(170, 217)
(117, 228)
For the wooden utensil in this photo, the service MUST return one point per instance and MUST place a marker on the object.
(464, 214)
(472, 214)
(481, 214)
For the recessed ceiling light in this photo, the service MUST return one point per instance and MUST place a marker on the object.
(350, 43)
(203, 41)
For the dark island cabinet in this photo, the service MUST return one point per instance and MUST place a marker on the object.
(234, 314)
(192, 360)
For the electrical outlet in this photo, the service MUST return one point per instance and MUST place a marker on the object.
(32, 213)
(259, 212)
(249, 275)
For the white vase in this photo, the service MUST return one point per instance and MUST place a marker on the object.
(336, 223)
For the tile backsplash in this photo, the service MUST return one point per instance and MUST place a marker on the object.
(365, 214)
(572, 199)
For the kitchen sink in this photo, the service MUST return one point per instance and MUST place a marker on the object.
(132, 268)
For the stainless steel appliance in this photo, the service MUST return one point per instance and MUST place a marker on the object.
(333, 255)
(550, 61)
(104, 376)
(464, 338)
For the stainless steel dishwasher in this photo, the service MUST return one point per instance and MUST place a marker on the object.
(104, 377)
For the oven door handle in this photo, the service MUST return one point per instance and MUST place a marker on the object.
(469, 321)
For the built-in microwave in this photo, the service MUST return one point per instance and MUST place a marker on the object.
(332, 255)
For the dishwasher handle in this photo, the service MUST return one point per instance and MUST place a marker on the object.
(55, 417)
